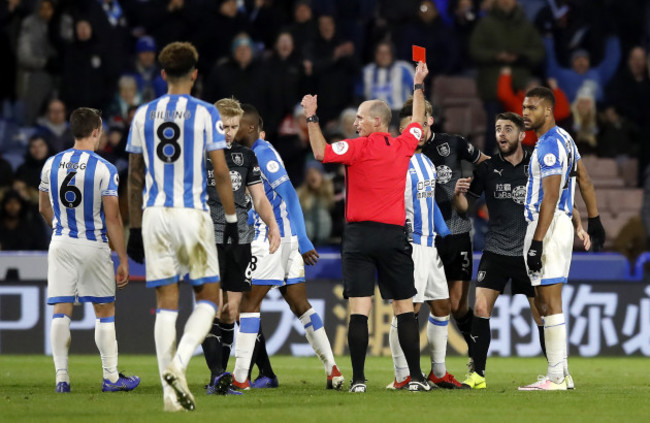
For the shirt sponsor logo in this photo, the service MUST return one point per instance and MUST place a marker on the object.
(416, 132)
(549, 159)
(444, 174)
(443, 149)
(219, 126)
(237, 158)
(272, 166)
(519, 194)
(340, 147)
(235, 179)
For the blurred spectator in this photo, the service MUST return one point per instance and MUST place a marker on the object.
(6, 173)
(388, 79)
(146, 72)
(293, 144)
(585, 127)
(631, 240)
(17, 231)
(334, 70)
(11, 14)
(617, 135)
(126, 97)
(645, 208)
(504, 37)
(30, 171)
(265, 21)
(38, 63)
(466, 14)
(54, 127)
(512, 100)
(581, 73)
(241, 76)
(303, 28)
(346, 123)
(284, 82)
(629, 91)
(87, 81)
(112, 148)
(440, 40)
(167, 20)
(316, 196)
(219, 22)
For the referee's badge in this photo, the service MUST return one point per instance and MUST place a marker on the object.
(443, 149)
(480, 276)
(237, 158)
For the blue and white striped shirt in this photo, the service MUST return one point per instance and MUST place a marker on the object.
(393, 84)
(273, 175)
(173, 133)
(555, 154)
(76, 181)
(419, 198)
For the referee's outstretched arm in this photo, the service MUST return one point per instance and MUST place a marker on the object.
(316, 138)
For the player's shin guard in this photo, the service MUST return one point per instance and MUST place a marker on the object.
(399, 360)
(212, 350)
(409, 338)
(106, 342)
(480, 338)
(227, 338)
(196, 328)
(315, 333)
(542, 342)
(249, 326)
(60, 339)
(358, 344)
(555, 336)
(465, 327)
(437, 335)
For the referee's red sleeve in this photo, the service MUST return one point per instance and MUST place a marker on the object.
(411, 135)
(345, 152)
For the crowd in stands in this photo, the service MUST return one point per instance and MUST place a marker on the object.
(62, 54)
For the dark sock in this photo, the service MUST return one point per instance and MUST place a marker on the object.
(464, 325)
(409, 339)
(227, 336)
(212, 350)
(480, 337)
(358, 343)
(542, 341)
(262, 357)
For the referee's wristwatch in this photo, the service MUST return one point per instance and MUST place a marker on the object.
(418, 87)
(312, 118)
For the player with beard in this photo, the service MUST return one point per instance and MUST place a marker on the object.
(502, 179)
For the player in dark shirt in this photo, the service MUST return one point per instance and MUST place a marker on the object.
(502, 179)
(446, 152)
(234, 260)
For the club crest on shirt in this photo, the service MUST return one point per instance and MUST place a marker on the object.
(237, 158)
(443, 149)
(480, 276)
(340, 147)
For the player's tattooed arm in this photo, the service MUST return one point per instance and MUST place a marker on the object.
(135, 187)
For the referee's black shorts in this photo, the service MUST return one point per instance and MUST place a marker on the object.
(495, 270)
(457, 257)
(371, 248)
(234, 267)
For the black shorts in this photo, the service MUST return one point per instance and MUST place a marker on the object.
(457, 257)
(495, 270)
(234, 267)
(371, 248)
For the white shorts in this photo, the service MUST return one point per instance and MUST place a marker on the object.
(557, 253)
(429, 274)
(179, 241)
(284, 267)
(79, 271)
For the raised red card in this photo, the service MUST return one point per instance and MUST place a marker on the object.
(419, 54)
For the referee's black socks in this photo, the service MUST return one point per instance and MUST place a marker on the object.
(358, 343)
(409, 339)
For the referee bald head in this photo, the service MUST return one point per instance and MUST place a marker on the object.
(372, 116)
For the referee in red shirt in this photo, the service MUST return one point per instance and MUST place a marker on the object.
(375, 238)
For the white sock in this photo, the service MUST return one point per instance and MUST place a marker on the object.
(197, 327)
(555, 337)
(249, 326)
(164, 333)
(437, 333)
(315, 333)
(107, 345)
(60, 339)
(399, 360)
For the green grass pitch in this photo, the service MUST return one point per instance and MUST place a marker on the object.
(607, 390)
